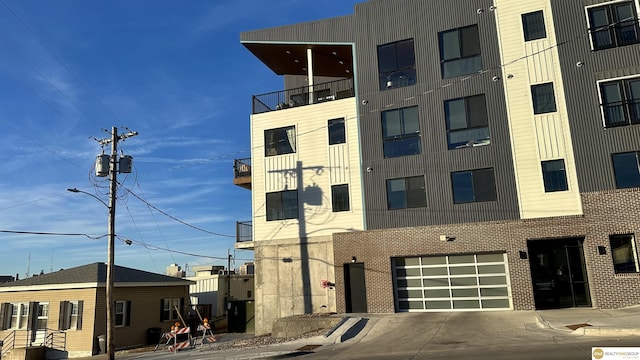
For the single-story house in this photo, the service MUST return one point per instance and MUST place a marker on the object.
(65, 311)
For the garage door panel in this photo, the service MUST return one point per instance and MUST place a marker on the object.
(457, 283)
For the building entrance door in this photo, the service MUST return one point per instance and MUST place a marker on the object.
(558, 273)
(355, 290)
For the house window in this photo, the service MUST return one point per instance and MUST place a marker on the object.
(280, 141)
(396, 64)
(460, 51)
(282, 205)
(70, 315)
(336, 131)
(533, 26)
(43, 315)
(613, 25)
(620, 102)
(401, 132)
(406, 193)
(473, 186)
(626, 169)
(169, 306)
(467, 123)
(121, 313)
(340, 197)
(544, 100)
(554, 176)
(624, 253)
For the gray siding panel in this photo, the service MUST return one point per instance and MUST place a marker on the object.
(593, 144)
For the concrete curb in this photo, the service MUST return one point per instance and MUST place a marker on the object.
(597, 331)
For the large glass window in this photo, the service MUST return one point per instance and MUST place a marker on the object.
(624, 253)
(282, 205)
(473, 186)
(626, 169)
(401, 132)
(280, 141)
(554, 176)
(533, 26)
(467, 123)
(613, 25)
(340, 197)
(406, 193)
(396, 64)
(621, 102)
(460, 51)
(43, 315)
(336, 131)
(544, 99)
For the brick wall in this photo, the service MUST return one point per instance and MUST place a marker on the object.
(605, 213)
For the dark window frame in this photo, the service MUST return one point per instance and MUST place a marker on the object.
(624, 263)
(531, 26)
(407, 198)
(616, 32)
(476, 180)
(406, 143)
(340, 198)
(337, 134)
(282, 205)
(539, 96)
(469, 54)
(471, 117)
(626, 169)
(396, 67)
(278, 142)
(554, 179)
(625, 110)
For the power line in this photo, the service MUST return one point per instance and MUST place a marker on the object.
(50, 234)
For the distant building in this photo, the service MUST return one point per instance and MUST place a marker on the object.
(175, 270)
(6, 278)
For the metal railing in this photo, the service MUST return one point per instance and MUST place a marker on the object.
(56, 339)
(242, 168)
(284, 99)
(244, 231)
(53, 339)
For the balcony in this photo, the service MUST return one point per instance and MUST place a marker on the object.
(242, 173)
(244, 235)
(285, 99)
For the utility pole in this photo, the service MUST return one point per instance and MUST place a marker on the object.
(228, 279)
(113, 189)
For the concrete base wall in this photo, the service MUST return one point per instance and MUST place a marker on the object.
(298, 325)
(605, 213)
(288, 279)
(30, 353)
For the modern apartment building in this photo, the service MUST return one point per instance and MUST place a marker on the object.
(490, 158)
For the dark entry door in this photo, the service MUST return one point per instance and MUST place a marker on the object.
(355, 290)
(558, 273)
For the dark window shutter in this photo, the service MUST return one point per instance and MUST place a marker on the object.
(80, 308)
(4, 308)
(32, 322)
(162, 310)
(63, 317)
(127, 320)
(181, 311)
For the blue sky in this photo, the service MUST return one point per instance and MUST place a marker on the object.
(174, 71)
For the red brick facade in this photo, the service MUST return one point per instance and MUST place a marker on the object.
(605, 213)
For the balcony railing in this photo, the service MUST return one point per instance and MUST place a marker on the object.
(285, 99)
(242, 173)
(244, 231)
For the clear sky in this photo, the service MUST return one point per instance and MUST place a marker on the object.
(175, 72)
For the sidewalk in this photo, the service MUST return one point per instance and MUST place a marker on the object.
(592, 322)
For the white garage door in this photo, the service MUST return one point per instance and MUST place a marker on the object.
(470, 282)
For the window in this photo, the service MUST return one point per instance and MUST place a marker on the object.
(613, 25)
(544, 100)
(624, 253)
(406, 193)
(340, 197)
(43, 315)
(473, 186)
(336, 131)
(467, 123)
(168, 308)
(554, 176)
(460, 51)
(121, 313)
(70, 315)
(280, 141)
(282, 205)
(626, 169)
(620, 102)
(401, 132)
(396, 64)
(533, 26)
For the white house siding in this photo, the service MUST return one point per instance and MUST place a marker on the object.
(542, 137)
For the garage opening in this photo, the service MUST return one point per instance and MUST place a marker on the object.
(469, 282)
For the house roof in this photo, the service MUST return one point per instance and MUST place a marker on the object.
(97, 273)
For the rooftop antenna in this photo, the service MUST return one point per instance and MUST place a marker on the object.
(51, 266)
(28, 266)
